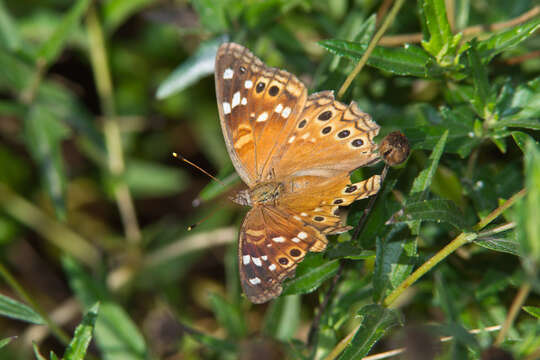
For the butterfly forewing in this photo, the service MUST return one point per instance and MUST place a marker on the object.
(258, 106)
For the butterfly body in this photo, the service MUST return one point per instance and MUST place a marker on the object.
(295, 153)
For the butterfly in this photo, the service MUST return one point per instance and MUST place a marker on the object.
(295, 152)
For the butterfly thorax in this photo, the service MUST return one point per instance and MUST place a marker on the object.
(264, 193)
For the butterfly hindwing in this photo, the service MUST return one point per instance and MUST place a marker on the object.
(271, 245)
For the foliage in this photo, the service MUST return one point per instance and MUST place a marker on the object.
(96, 95)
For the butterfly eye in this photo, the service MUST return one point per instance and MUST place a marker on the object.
(242, 70)
(260, 87)
(325, 115)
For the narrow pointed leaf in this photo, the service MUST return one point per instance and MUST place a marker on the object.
(376, 321)
(6, 341)
(50, 50)
(438, 210)
(16, 310)
(83, 335)
(533, 310)
(283, 317)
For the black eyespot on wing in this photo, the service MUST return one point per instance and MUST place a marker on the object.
(351, 189)
(302, 123)
(283, 261)
(260, 87)
(343, 134)
(273, 91)
(325, 115)
(357, 142)
(242, 70)
(295, 252)
(326, 130)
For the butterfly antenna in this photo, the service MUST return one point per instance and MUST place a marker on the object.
(181, 158)
(212, 213)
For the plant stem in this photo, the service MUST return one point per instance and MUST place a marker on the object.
(387, 21)
(397, 40)
(514, 310)
(54, 231)
(459, 241)
(498, 211)
(111, 128)
(12, 282)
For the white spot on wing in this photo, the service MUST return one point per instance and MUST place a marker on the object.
(235, 99)
(255, 281)
(303, 214)
(264, 257)
(278, 108)
(302, 235)
(295, 240)
(291, 139)
(244, 101)
(296, 217)
(279, 239)
(305, 136)
(228, 73)
(226, 108)
(272, 267)
(256, 261)
(246, 259)
(286, 112)
(262, 117)
(248, 84)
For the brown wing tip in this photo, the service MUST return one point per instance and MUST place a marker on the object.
(260, 295)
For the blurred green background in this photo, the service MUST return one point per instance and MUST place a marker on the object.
(96, 95)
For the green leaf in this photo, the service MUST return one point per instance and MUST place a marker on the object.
(16, 310)
(500, 244)
(53, 356)
(37, 354)
(533, 124)
(82, 336)
(438, 210)
(506, 39)
(282, 318)
(434, 15)
(6, 341)
(310, 274)
(19, 75)
(116, 334)
(9, 34)
(481, 100)
(228, 316)
(394, 262)
(348, 250)
(533, 310)
(375, 322)
(200, 64)
(521, 138)
(50, 50)
(164, 180)
(407, 61)
(212, 14)
(44, 134)
(527, 210)
(422, 182)
(115, 12)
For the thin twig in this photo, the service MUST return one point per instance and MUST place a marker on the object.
(397, 40)
(496, 230)
(387, 21)
(514, 310)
